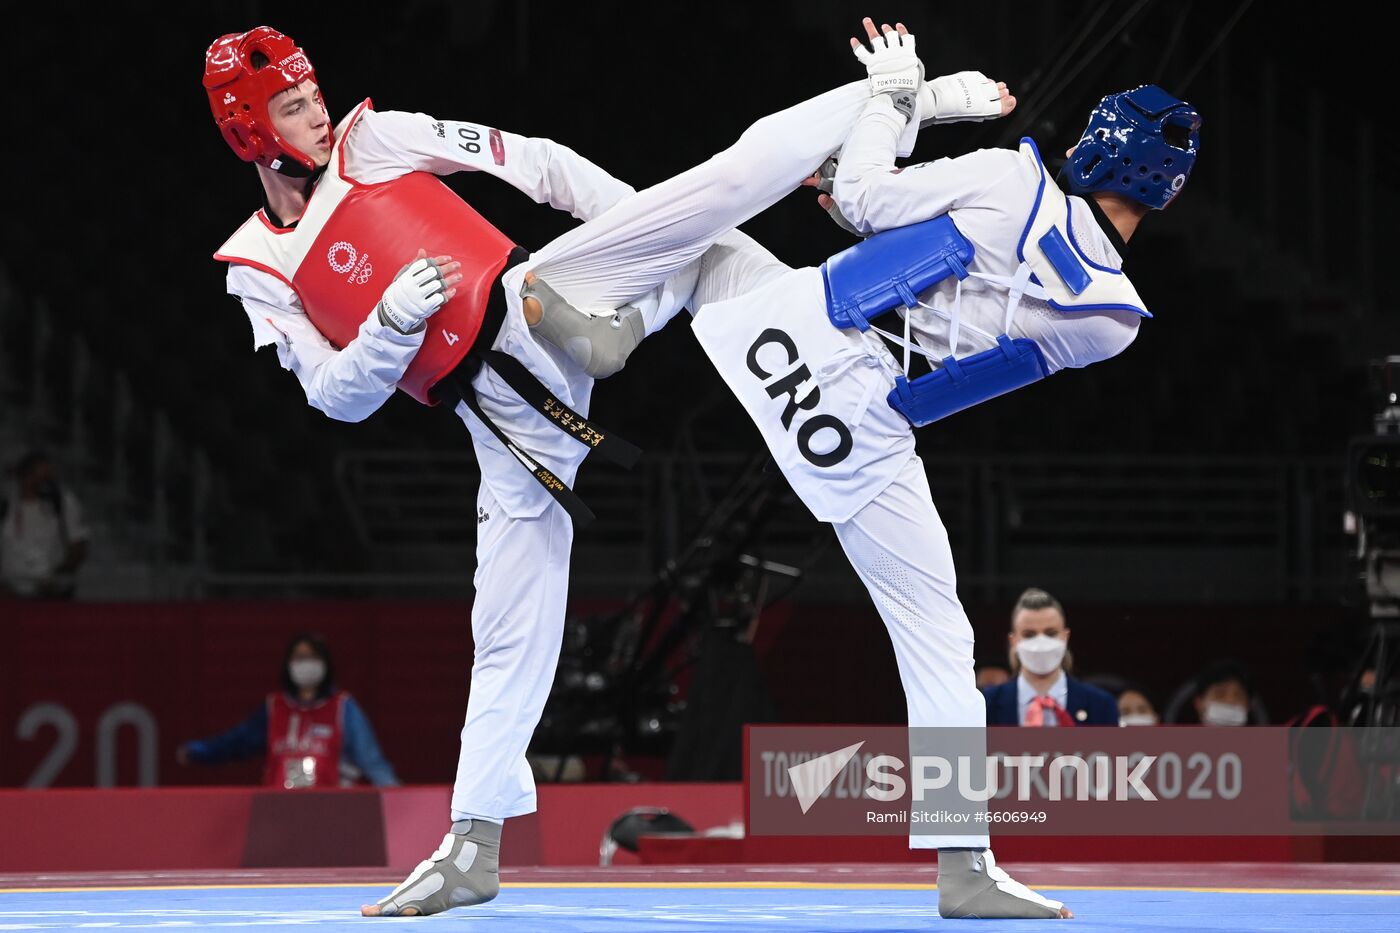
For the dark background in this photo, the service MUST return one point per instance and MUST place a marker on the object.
(121, 188)
(1266, 278)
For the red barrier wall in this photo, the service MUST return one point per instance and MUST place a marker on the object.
(83, 685)
(158, 829)
(166, 829)
(199, 668)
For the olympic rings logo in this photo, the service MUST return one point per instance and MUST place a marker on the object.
(366, 270)
(295, 63)
(350, 253)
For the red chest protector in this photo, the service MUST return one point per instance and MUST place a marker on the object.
(304, 744)
(352, 240)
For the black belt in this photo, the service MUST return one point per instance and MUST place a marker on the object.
(456, 386)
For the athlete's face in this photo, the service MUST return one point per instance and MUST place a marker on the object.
(299, 116)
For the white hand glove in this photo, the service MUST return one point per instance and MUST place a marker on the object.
(891, 63)
(416, 293)
(965, 96)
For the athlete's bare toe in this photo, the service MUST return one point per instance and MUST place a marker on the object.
(374, 910)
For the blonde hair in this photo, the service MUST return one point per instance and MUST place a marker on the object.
(1032, 599)
(1035, 598)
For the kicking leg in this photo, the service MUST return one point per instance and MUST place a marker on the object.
(646, 238)
(736, 263)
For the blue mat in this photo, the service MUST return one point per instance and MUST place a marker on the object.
(557, 909)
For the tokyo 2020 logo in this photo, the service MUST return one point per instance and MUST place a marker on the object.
(344, 258)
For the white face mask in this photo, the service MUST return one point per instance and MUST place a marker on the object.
(1224, 714)
(1137, 719)
(307, 672)
(1041, 654)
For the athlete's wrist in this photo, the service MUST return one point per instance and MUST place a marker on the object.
(389, 317)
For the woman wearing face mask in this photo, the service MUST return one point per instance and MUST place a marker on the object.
(313, 734)
(1042, 693)
(1223, 696)
(1135, 708)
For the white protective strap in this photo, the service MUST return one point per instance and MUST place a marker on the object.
(908, 339)
(423, 868)
(956, 319)
(1019, 285)
(844, 361)
(1009, 885)
(907, 344)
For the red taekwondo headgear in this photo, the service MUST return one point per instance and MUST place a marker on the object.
(239, 94)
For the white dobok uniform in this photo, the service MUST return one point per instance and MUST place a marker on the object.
(818, 394)
(629, 246)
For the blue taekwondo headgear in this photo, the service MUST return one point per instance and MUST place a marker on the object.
(1141, 144)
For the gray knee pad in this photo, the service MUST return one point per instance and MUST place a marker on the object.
(599, 344)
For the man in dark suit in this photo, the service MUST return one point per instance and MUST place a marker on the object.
(1043, 693)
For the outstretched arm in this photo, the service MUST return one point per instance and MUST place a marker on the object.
(245, 740)
(869, 191)
(550, 173)
(874, 195)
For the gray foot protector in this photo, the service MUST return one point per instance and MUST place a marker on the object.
(599, 343)
(465, 870)
(971, 886)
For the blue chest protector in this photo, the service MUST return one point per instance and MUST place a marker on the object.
(891, 268)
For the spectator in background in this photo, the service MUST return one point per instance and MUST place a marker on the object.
(43, 540)
(1043, 693)
(1135, 708)
(313, 734)
(1221, 695)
